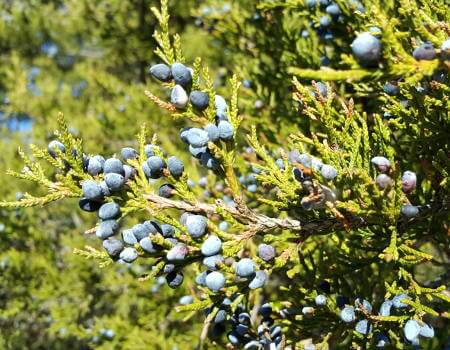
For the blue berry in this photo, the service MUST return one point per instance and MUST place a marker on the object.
(213, 132)
(381, 340)
(129, 237)
(280, 163)
(177, 253)
(245, 267)
(425, 51)
(151, 227)
(445, 49)
(196, 225)
(114, 181)
(105, 190)
(166, 190)
(55, 146)
(91, 190)
(383, 181)
(211, 246)
(89, 205)
(321, 300)
(94, 167)
(197, 137)
(208, 161)
(129, 255)
(130, 172)
(252, 188)
(161, 72)
(366, 48)
(333, 10)
(426, 331)
(391, 89)
(348, 314)
(363, 303)
(411, 329)
(215, 281)
(241, 329)
(328, 172)
(199, 100)
(308, 310)
(385, 308)
(221, 316)
(233, 338)
(109, 211)
(325, 21)
(266, 252)
(106, 229)
(211, 261)
(174, 279)
(223, 226)
(265, 310)
(149, 150)
(113, 247)
(113, 166)
(363, 327)
(146, 169)
(409, 210)
(409, 181)
(140, 231)
(147, 245)
(226, 130)
(197, 151)
(396, 301)
(167, 230)
(156, 165)
(381, 163)
(186, 300)
(179, 97)
(181, 74)
(128, 153)
(220, 104)
(176, 166)
(200, 279)
(259, 280)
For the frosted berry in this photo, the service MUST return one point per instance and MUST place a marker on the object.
(128, 153)
(113, 247)
(385, 308)
(383, 181)
(129, 255)
(130, 172)
(166, 190)
(215, 281)
(363, 327)
(179, 97)
(328, 172)
(147, 245)
(409, 181)
(197, 137)
(425, 51)
(348, 314)
(226, 130)
(177, 253)
(196, 225)
(321, 300)
(391, 88)
(89, 205)
(366, 48)
(167, 230)
(266, 252)
(114, 181)
(181, 74)
(245, 267)
(149, 150)
(426, 331)
(213, 132)
(161, 72)
(91, 190)
(53, 148)
(208, 160)
(333, 10)
(381, 163)
(211, 246)
(211, 262)
(397, 300)
(129, 237)
(94, 167)
(411, 329)
(176, 166)
(174, 279)
(259, 280)
(109, 211)
(106, 229)
(197, 151)
(199, 100)
(409, 210)
(113, 165)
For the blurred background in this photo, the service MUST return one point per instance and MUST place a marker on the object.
(88, 60)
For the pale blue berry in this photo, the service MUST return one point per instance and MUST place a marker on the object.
(128, 153)
(213, 132)
(397, 300)
(226, 130)
(199, 100)
(55, 146)
(409, 210)
(363, 327)
(215, 281)
(321, 300)
(174, 279)
(196, 225)
(385, 308)
(197, 137)
(176, 166)
(348, 314)
(113, 247)
(181, 74)
(426, 331)
(211, 246)
(113, 165)
(411, 329)
(177, 253)
(109, 211)
(259, 280)
(147, 245)
(161, 72)
(245, 267)
(129, 255)
(211, 262)
(366, 48)
(266, 252)
(328, 172)
(114, 181)
(179, 97)
(91, 190)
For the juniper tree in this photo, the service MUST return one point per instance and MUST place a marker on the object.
(322, 218)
